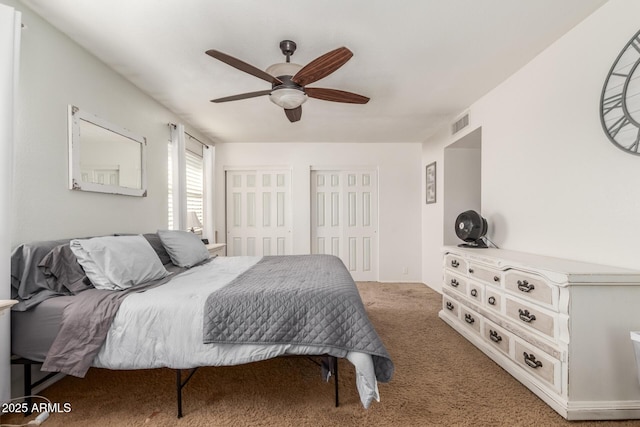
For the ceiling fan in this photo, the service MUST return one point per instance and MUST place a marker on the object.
(289, 81)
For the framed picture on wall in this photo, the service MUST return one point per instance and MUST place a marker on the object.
(431, 183)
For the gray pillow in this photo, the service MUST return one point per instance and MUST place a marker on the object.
(185, 249)
(156, 244)
(62, 266)
(118, 262)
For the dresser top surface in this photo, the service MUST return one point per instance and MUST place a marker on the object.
(575, 271)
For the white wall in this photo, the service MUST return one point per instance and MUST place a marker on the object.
(462, 183)
(399, 192)
(433, 214)
(56, 72)
(552, 183)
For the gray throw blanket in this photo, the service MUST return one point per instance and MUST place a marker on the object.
(295, 299)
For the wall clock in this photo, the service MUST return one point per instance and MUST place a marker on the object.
(620, 99)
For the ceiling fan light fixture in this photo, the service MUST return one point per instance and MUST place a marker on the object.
(288, 98)
(283, 69)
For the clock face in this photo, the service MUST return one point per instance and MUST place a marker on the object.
(620, 100)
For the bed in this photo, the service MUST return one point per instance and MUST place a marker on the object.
(158, 300)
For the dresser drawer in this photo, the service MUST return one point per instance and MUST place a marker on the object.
(493, 299)
(498, 337)
(450, 306)
(531, 316)
(529, 286)
(485, 274)
(452, 281)
(456, 263)
(538, 363)
(470, 318)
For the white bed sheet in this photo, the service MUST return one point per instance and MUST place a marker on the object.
(162, 327)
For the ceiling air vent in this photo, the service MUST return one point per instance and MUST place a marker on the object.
(460, 124)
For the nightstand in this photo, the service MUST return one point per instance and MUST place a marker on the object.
(218, 249)
(5, 304)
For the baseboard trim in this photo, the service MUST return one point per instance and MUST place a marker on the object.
(54, 379)
(603, 410)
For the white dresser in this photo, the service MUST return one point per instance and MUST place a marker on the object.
(560, 327)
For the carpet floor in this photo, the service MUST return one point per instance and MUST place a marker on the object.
(440, 380)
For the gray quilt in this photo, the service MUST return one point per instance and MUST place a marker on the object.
(295, 299)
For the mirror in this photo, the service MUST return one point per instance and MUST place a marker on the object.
(105, 158)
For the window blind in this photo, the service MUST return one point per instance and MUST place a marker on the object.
(194, 188)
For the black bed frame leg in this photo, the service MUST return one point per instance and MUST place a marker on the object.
(335, 378)
(179, 391)
(27, 387)
(180, 385)
(27, 377)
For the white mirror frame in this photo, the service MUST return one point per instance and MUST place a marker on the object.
(75, 147)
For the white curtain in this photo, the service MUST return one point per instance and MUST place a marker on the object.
(178, 176)
(10, 24)
(209, 158)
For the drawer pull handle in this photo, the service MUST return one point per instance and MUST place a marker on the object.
(494, 336)
(454, 283)
(474, 292)
(496, 278)
(492, 300)
(525, 286)
(471, 270)
(531, 361)
(525, 316)
(449, 305)
(469, 319)
(455, 263)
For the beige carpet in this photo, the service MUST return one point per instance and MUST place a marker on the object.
(440, 380)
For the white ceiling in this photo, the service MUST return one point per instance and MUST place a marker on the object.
(422, 62)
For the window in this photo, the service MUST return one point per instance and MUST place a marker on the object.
(195, 176)
(186, 186)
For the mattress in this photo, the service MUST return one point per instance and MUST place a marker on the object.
(33, 331)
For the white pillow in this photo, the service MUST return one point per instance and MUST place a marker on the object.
(118, 262)
(185, 249)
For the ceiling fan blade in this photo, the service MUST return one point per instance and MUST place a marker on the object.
(335, 95)
(293, 114)
(243, 66)
(242, 96)
(322, 66)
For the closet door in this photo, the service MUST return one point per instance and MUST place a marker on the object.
(344, 219)
(258, 210)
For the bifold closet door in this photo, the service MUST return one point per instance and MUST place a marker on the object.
(344, 219)
(258, 210)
